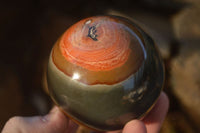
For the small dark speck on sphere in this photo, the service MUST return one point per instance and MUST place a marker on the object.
(92, 33)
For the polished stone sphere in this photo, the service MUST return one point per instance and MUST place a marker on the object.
(105, 71)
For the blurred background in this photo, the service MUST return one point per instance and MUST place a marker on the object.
(29, 28)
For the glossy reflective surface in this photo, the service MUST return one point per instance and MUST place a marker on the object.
(105, 71)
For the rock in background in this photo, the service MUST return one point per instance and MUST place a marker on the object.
(185, 67)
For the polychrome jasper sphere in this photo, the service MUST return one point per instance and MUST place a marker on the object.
(105, 71)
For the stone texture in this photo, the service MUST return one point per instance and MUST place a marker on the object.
(158, 27)
(42, 22)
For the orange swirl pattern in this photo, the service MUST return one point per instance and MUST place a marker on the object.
(97, 44)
